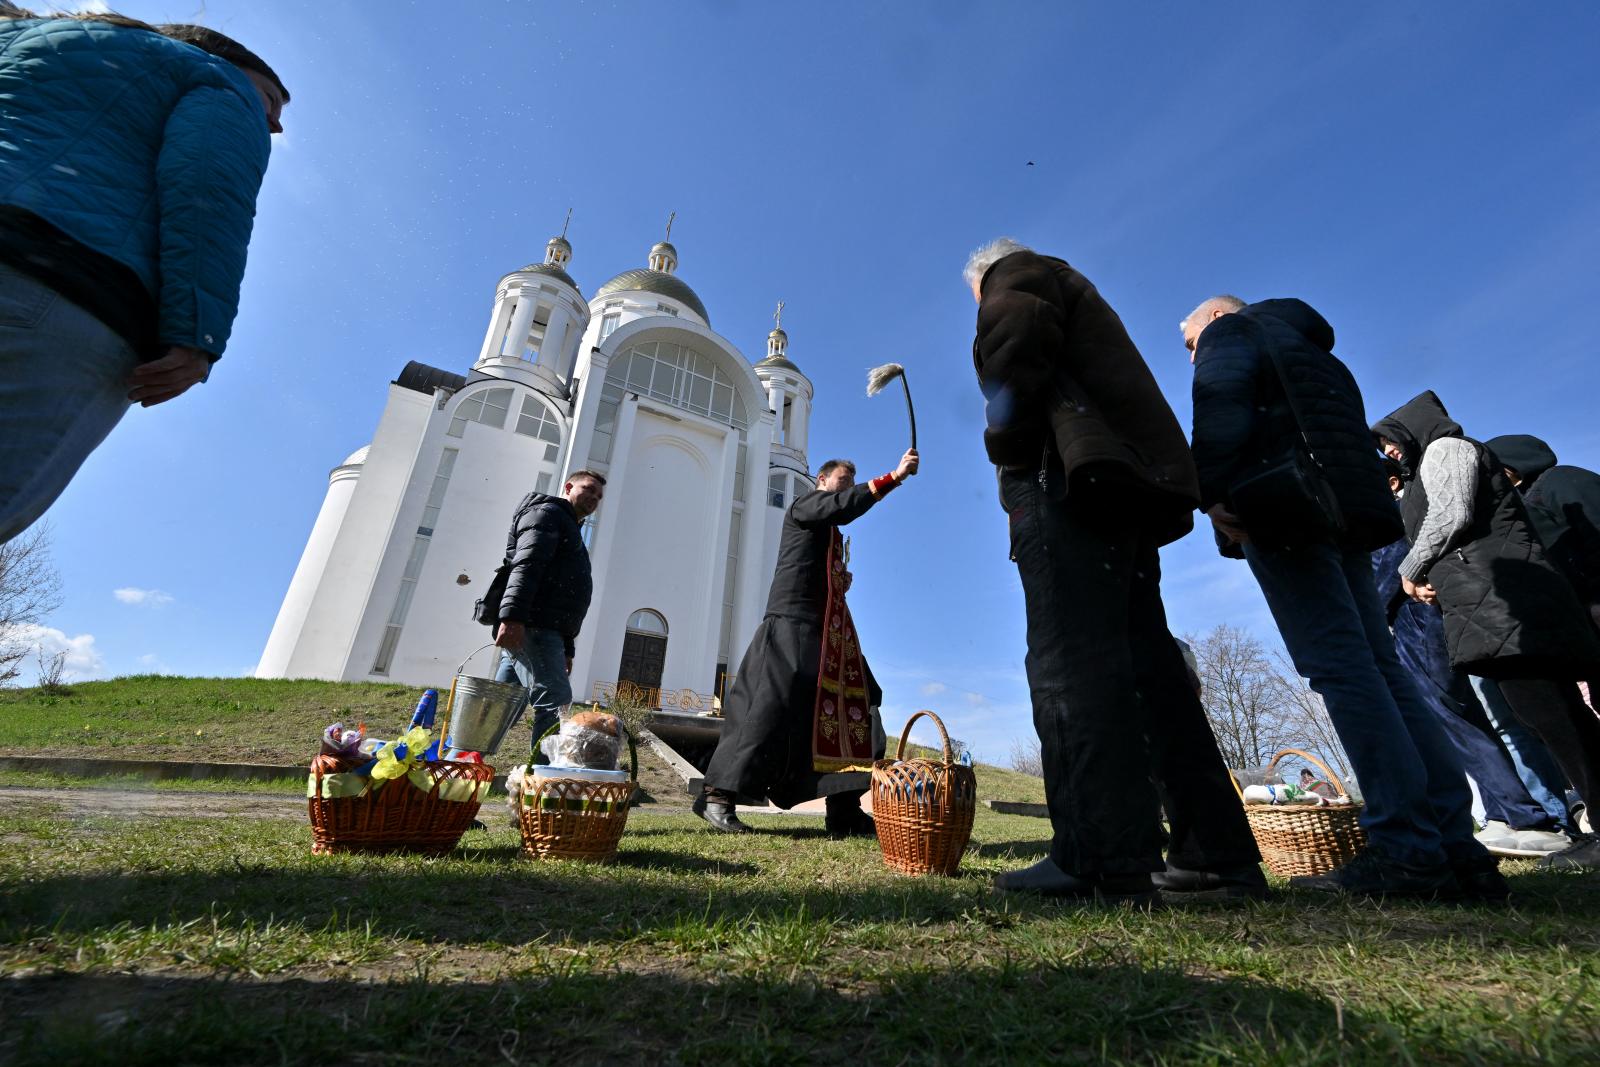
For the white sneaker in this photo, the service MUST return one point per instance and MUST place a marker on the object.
(1529, 843)
(1497, 835)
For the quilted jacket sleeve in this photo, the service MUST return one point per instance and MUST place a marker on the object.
(1021, 335)
(213, 156)
(1225, 366)
(538, 537)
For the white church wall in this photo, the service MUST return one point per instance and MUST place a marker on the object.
(492, 469)
(308, 574)
(323, 644)
(664, 524)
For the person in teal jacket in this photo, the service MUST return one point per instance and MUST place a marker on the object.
(130, 160)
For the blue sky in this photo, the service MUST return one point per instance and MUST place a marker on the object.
(1425, 175)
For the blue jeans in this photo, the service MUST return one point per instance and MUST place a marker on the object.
(63, 387)
(1533, 762)
(1419, 642)
(1418, 806)
(541, 666)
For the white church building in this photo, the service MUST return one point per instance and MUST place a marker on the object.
(701, 450)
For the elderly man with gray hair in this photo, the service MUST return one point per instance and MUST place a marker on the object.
(1095, 477)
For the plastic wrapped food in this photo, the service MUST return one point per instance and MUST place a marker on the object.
(582, 746)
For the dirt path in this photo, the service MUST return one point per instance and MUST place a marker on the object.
(130, 803)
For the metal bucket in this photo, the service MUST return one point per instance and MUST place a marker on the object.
(481, 711)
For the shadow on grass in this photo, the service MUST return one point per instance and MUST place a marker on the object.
(1002, 1014)
(1022, 850)
(494, 895)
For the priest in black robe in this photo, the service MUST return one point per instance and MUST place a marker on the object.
(797, 722)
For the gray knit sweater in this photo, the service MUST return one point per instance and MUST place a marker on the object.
(1449, 474)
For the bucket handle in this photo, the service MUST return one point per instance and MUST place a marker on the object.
(450, 701)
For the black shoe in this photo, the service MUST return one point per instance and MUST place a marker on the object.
(1479, 881)
(1045, 879)
(477, 824)
(720, 814)
(851, 823)
(1179, 885)
(1582, 855)
(1370, 875)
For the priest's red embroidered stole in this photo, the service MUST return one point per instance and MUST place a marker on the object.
(841, 731)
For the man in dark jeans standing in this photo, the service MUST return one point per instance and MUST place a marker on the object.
(1095, 476)
(1319, 585)
(547, 594)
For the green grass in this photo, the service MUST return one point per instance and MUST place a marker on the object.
(246, 720)
(254, 720)
(188, 940)
(202, 936)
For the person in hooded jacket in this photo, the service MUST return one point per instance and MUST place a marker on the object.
(1564, 505)
(1095, 477)
(1318, 583)
(126, 205)
(1516, 823)
(547, 594)
(1509, 614)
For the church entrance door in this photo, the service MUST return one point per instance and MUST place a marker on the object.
(644, 650)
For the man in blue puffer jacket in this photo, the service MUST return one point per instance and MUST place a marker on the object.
(130, 160)
(1266, 382)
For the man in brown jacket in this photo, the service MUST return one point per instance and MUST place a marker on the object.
(1096, 476)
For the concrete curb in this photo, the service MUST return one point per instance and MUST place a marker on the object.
(1018, 807)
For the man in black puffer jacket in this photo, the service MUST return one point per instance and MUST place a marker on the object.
(1509, 614)
(547, 593)
(1095, 476)
(1319, 585)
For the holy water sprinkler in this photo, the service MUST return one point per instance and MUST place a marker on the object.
(879, 377)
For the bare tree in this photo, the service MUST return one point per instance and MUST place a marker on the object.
(1308, 717)
(30, 589)
(52, 672)
(1243, 696)
(1027, 756)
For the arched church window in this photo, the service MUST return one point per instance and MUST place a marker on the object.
(538, 421)
(488, 406)
(681, 377)
(645, 621)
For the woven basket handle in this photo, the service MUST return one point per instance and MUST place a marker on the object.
(905, 735)
(1309, 758)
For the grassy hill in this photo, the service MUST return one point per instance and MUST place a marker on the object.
(250, 720)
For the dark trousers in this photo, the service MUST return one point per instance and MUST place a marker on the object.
(1122, 733)
(1556, 712)
(1420, 644)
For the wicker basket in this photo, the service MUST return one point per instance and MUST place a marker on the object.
(923, 807)
(399, 816)
(571, 819)
(1297, 840)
